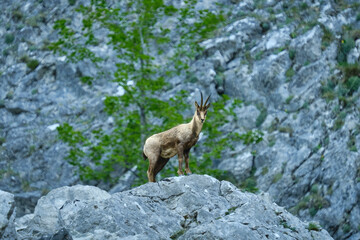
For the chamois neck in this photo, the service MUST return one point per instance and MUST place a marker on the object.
(196, 125)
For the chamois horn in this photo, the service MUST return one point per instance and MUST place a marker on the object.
(207, 100)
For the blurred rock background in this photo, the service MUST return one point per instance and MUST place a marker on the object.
(295, 64)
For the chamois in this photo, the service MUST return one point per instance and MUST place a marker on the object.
(160, 147)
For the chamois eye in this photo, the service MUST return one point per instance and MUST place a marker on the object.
(205, 113)
(198, 113)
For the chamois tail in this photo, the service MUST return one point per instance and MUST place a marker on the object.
(144, 156)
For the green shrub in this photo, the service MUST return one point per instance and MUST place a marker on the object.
(271, 140)
(345, 46)
(72, 2)
(265, 26)
(327, 37)
(17, 15)
(249, 185)
(347, 42)
(277, 177)
(346, 228)
(288, 100)
(32, 64)
(313, 227)
(352, 84)
(290, 73)
(264, 170)
(262, 116)
(350, 70)
(328, 90)
(251, 137)
(286, 129)
(292, 53)
(9, 38)
(32, 21)
(352, 143)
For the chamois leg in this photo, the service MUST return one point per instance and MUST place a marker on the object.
(187, 169)
(180, 157)
(161, 163)
(150, 174)
(153, 161)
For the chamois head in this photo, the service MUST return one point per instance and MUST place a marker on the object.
(202, 109)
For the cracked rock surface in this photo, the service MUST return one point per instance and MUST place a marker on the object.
(187, 207)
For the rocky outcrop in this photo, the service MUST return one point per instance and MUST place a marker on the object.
(188, 207)
(7, 216)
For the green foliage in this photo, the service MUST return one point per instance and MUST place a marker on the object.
(327, 37)
(346, 228)
(286, 129)
(313, 202)
(271, 140)
(277, 177)
(284, 223)
(259, 55)
(313, 227)
(265, 26)
(17, 15)
(293, 35)
(32, 64)
(352, 143)
(339, 121)
(9, 38)
(217, 142)
(347, 42)
(97, 154)
(350, 70)
(178, 234)
(250, 183)
(231, 210)
(72, 2)
(262, 116)
(252, 137)
(346, 45)
(288, 100)
(292, 53)
(328, 90)
(352, 84)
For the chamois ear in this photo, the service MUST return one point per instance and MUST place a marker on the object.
(206, 107)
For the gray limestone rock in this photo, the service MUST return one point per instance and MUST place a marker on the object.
(187, 207)
(7, 216)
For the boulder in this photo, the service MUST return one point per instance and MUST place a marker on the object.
(187, 207)
(7, 216)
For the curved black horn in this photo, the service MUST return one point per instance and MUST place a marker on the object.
(207, 100)
(201, 100)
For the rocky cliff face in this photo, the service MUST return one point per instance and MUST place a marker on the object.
(280, 57)
(191, 207)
